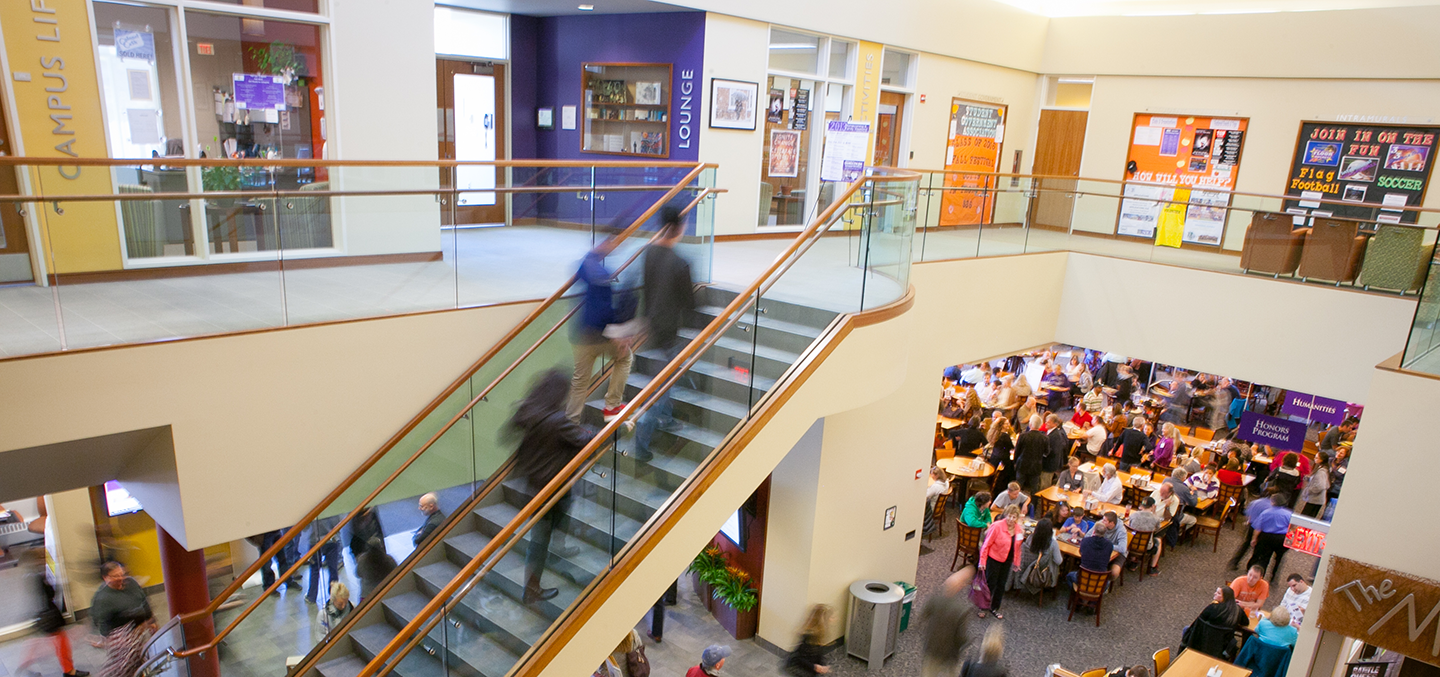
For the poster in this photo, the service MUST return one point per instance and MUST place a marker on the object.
(1373, 168)
(775, 112)
(134, 44)
(800, 112)
(843, 141)
(977, 132)
(259, 92)
(1190, 160)
(1313, 407)
(1278, 433)
(784, 153)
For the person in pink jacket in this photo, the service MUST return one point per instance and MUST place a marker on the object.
(1000, 554)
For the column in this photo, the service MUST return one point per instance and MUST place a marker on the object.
(187, 589)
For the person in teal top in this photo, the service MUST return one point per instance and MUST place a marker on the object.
(1277, 629)
(977, 511)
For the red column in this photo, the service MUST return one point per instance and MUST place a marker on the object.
(187, 589)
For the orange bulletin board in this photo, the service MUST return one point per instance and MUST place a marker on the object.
(1201, 156)
(977, 132)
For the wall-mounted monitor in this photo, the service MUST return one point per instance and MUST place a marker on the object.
(734, 529)
(118, 501)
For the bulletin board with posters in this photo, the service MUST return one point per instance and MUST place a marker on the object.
(1378, 168)
(1184, 158)
(977, 133)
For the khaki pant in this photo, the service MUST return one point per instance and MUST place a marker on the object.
(585, 354)
(934, 667)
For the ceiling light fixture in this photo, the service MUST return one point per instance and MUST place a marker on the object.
(587, 8)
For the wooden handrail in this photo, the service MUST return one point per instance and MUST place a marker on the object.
(276, 194)
(369, 463)
(26, 161)
(501, 543)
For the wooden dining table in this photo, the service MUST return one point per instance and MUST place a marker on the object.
(969, 468)
(947, 423)
(1195, 664)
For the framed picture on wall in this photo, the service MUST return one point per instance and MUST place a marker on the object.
(732, 104)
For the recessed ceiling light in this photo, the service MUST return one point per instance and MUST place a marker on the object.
(587, 8)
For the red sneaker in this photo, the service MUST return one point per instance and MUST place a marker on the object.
(609, 413)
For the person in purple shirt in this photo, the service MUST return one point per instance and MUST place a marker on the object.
(1270, 527)
(1252, 511)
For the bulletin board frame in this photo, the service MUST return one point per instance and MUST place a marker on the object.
(1178, 163)
(949, 198)
(1356, 143)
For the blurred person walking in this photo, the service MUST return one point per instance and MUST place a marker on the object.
(549, 439)
(669, 295)
(808, 658)
(122, 616)
(947, 617)
(48, 618)
(597, 311)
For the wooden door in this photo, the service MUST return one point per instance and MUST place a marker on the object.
(887, 129)
(474, 130)
(1058, 146)
(14, 243)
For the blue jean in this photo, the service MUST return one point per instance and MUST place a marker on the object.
(661, 413)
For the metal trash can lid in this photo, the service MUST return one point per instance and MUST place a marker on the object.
(876, 592)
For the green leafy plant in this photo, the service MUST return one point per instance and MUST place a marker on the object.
(735, 590)
(709, 565)
(278, 58)
(220, 178)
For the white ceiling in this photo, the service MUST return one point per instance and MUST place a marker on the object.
(1058, 8)
(562, 7)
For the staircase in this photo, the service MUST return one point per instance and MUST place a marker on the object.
(490, 630)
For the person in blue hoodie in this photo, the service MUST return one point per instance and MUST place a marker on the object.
(597, 310)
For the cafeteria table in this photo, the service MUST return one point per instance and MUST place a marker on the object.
(1195, 664)
(967, 469)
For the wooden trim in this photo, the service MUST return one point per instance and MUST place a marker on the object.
(194, 270)
(669, 108)
(664, 522)
(26, 161)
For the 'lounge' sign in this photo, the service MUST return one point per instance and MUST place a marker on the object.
(1386, 608)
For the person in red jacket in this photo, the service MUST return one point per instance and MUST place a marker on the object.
(712, 659)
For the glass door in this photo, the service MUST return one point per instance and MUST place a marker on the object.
(472, 117)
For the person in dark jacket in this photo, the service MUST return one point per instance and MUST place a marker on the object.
(373, 566)
(669, 295)
(121, 614)
(808, 658)
(967, 438)
(1030, 450)
(549, 440)
(1058, 453)
(364, 527)
(1216, 634)
(48, 618)
(597, 310)
(430, 508)
(1133, 444)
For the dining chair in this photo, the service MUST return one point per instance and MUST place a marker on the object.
(1162, 660)
(1137, 551)
(967, 544)
(1229, 494)
(1088, 591)
(1206, 525)
(938, 515)
(1097, 672)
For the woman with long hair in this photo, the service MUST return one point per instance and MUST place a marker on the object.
(1041, 550)
(1213, 631)
(992, 650)
(1317, 486)
(1166, 446)
(808, 658)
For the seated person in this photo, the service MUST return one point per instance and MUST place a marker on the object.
(1166, 499)
(977, 511)
(1147, 519)
(1094, 400)
(1095, 551)
(1297, 598)
(1111, 489)
(1071, 479)
(1251, 589)
(939, 484)
(1095, 437)
(968, 438)
(1233, 474)
(1225, 617)
(1118, 536)
(1082, 418)
(1073, 524)
(1277, 629)
(1206, 485)
(1013, 496)
(1177, 482)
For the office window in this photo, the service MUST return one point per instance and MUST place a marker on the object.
(794, 52)
(840, 52)
(463, 32)
(895, 69)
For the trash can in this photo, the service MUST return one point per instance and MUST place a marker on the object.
(909, 602)
(874, 621)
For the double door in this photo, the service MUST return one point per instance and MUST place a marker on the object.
(471, 105)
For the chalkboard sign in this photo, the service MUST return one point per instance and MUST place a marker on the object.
(1366, 669)
(1376, 169)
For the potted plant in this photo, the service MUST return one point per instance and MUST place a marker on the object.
(737, 603)
(707, 568)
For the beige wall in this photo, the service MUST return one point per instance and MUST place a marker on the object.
(1310, 338)
(1275, 108)
(263, 425)
(1277, 44)
(735, 49)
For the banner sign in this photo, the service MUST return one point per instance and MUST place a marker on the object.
(977, 132)
(1383, 607)
(1378, 168)
(1275, 432)
(1315, 408)
(1168, 152)
(259, 92)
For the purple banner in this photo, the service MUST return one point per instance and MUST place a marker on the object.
(1268, 430)
(1313, 407)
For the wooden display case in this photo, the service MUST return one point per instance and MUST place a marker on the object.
(626, 109)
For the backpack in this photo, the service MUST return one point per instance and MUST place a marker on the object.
(1039, 576)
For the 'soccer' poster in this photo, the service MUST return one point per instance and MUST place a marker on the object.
(1376, 169)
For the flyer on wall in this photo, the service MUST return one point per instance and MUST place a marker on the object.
(1374, 168)
(1191, 156)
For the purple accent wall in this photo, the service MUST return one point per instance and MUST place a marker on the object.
(524, 41)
